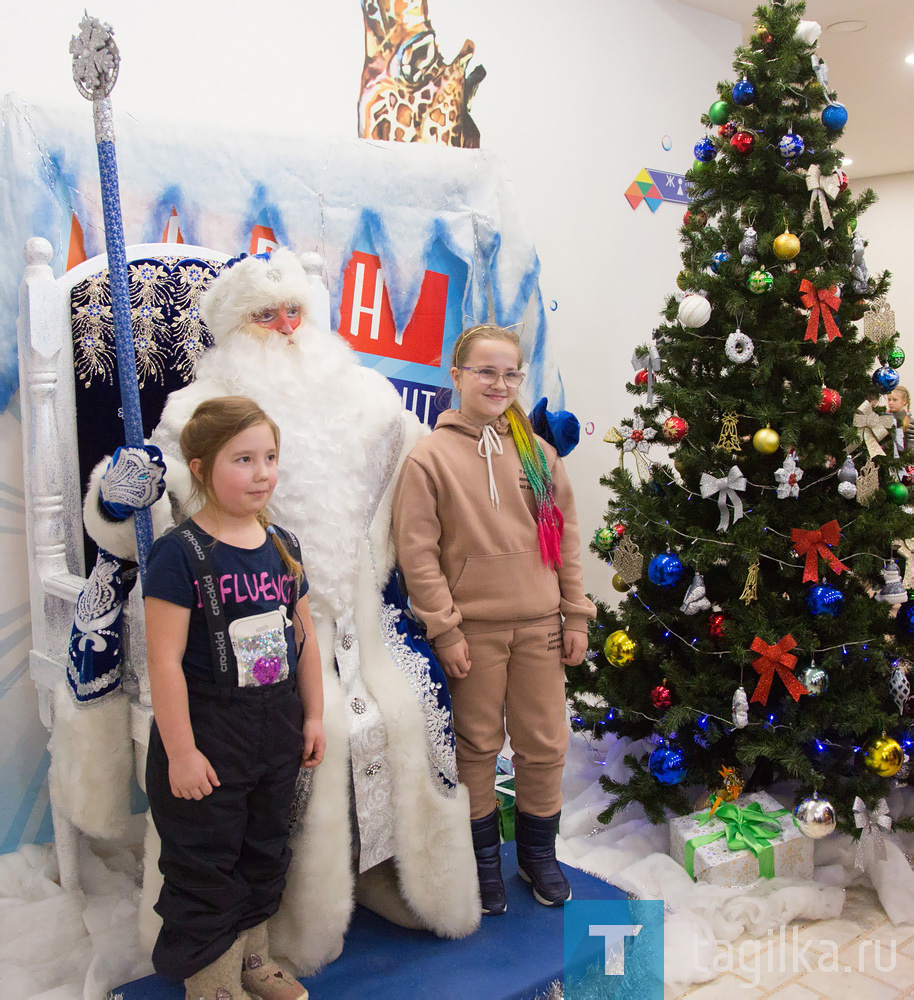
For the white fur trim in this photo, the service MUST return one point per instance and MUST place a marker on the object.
(150, 923)
(92, 763)
(318, 899)
(249, 287)
(434, 847)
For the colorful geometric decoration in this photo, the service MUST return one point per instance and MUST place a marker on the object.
(655, 187)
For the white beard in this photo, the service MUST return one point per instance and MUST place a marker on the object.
(314, 390)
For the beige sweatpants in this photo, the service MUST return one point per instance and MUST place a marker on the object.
(516, 680)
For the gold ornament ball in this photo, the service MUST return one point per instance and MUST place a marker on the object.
(786, 246)
(885, 757)
(620, 648)
(619, 584)
(766, 441)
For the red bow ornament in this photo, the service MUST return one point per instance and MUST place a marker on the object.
(813, 544)
(775, 659)
(822, 302)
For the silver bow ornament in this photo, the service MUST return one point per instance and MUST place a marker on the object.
(869, 824)
(725, 489)
(821, 187)
(875, 426)
(649, 360)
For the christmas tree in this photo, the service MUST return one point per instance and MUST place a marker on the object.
(765, 629)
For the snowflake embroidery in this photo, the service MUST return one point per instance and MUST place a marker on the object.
(637, 437)
(788, 477)
(439, 741)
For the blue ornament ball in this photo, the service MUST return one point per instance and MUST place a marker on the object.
(668, 765)
(824, 599)
(834, 117)
(791, 145)
(705, 150)
(718, 260)
(905, 619)
(885, 379)
(665, 569)
(744, 92)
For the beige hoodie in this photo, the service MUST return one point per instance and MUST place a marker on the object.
(465, 561)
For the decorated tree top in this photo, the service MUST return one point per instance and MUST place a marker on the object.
(758, 637)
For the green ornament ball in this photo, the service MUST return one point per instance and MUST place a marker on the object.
(718, 113)
(701, 166)
(895, 358)
(897, 493)
(604, 539)
(760, 282)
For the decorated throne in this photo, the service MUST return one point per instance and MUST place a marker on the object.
(70, 421)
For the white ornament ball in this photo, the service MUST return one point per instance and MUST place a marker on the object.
(808, 32)
(815, 817)
(847, 490)
(694, 311)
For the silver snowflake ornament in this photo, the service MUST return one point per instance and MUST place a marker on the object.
(788, 477)
(637, 437)
(95, 59)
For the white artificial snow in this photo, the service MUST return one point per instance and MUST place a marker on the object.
(57, 945)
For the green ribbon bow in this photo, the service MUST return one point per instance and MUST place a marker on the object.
(747, 828)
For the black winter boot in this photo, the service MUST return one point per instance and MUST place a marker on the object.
(486, 847)
(536, 858)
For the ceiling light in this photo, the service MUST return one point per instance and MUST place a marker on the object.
(845, 27)
(846, 162)
(910, 58)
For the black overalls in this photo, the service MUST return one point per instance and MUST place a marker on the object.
(224, 858)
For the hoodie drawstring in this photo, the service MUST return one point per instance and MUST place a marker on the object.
(489, 443)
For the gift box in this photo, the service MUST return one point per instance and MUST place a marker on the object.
(742, 842)
(505, 796)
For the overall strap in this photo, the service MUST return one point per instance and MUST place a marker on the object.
(225, 668)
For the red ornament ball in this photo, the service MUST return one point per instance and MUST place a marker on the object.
(842, 180)
(661, 697)
(674, 428)
(717, 625)
(831, 401)
(727, 130)
(641, 377)
(619, 529)
(743, 143)
(699, 219)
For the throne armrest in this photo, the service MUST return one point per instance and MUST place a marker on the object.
(66, 586)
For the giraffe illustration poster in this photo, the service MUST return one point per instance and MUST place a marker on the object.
(409, 93)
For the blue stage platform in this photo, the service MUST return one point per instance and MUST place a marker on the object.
(513, 957)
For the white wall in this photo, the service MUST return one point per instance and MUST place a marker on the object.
(887, 227)
(576, 102)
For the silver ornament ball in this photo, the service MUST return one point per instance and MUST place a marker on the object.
(847, 490)
(815, 817)
(814, 679)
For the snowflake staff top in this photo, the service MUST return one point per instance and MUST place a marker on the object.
(95, 59)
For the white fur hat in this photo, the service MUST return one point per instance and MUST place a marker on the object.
(252, 285)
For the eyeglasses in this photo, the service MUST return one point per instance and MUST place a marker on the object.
(489, 376)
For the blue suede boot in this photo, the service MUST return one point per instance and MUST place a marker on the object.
(536, 858)
(486, 847)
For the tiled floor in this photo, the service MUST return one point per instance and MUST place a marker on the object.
(862, 956)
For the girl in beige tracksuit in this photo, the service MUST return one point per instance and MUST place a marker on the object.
(487, 538)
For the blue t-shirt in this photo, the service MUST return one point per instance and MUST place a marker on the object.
(250, 582)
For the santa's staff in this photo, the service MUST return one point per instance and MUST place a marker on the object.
(95, 65)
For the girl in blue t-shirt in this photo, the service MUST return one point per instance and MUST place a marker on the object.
(236, 691)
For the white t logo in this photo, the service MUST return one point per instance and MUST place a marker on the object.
(614, 944)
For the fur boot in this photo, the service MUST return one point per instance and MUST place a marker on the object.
(262, 976)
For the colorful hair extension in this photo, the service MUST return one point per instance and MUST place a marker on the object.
(549, 520)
